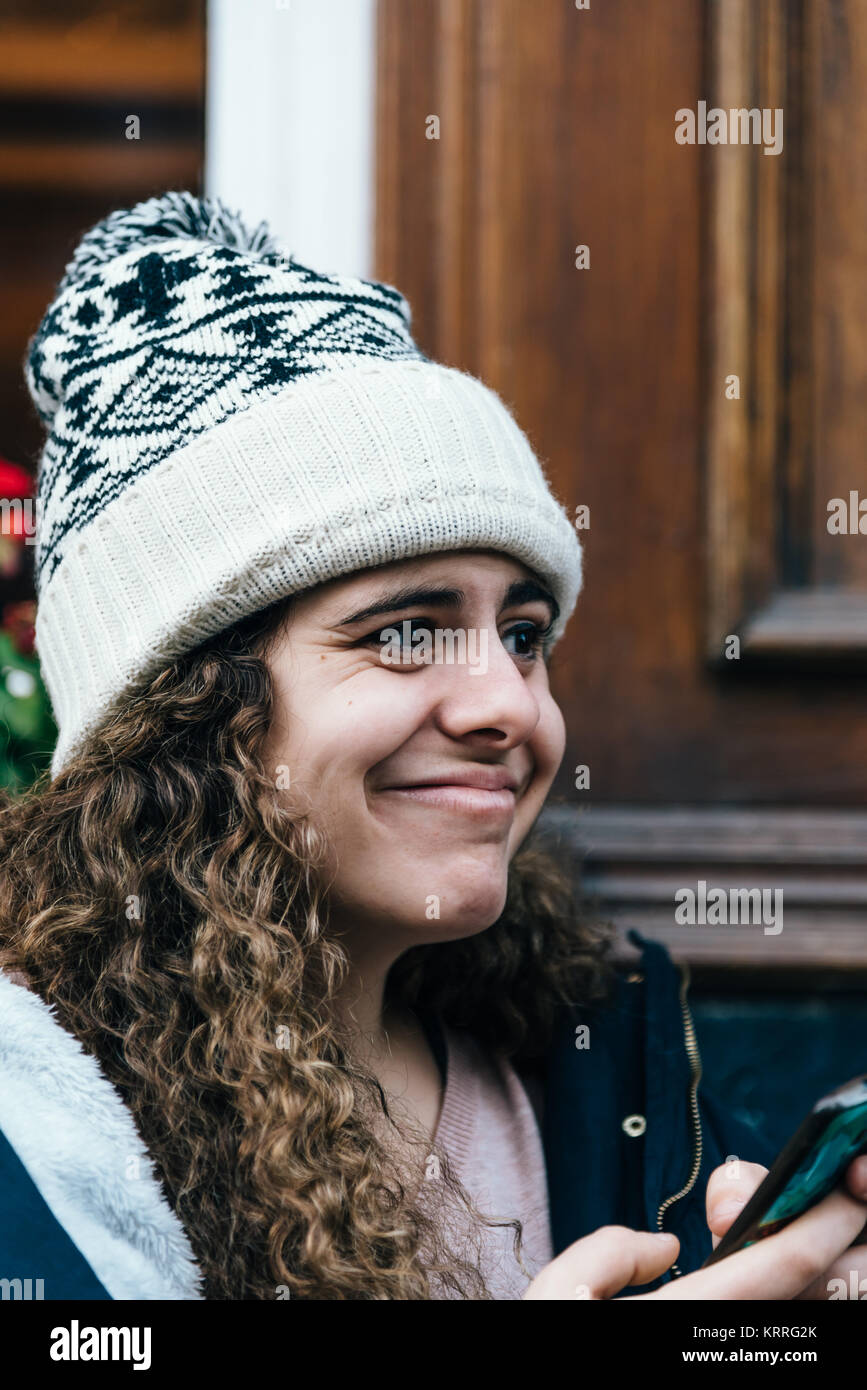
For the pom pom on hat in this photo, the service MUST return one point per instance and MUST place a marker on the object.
(169, 217)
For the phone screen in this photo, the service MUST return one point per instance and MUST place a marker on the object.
(806, 1170)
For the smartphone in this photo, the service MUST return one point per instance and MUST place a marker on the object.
(806, 1170)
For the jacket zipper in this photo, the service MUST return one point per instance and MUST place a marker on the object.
(695, 1076)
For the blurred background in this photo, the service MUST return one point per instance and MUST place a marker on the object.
(512, 168)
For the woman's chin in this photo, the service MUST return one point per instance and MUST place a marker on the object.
(452, 915)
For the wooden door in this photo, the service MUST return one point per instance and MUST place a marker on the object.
(696, 378)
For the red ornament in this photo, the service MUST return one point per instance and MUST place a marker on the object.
(19, 621)
(15, 485)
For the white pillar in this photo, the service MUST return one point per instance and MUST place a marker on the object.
(289, 123)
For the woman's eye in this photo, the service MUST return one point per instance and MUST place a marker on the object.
(529, 638)
(524, 640)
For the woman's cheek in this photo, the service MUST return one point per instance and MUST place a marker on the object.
(551, 738)
(358, 728)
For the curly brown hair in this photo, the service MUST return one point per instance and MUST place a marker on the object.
(173, 908)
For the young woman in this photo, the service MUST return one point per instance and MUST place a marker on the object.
(291, 1001)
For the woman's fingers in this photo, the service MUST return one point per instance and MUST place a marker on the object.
(729, 1189)
(845, 1279)
(731, 1185)
(856, 1177)
(847, 1273)
(780, 1266)
(601, 1264)
(798, 1261)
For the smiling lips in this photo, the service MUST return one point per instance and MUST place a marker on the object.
(486, 791)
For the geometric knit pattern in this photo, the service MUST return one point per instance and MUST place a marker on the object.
(171, 317)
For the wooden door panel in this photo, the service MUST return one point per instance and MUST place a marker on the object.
(788, 316)
(707, 515)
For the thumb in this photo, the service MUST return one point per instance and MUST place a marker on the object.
(600, 1265)
(729, 1189)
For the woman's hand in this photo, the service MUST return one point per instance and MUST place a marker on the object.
(796, 1262)
(727, 1195)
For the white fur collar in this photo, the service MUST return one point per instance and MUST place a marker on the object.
(79, 1143)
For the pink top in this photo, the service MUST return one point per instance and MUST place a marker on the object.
(489, 1130)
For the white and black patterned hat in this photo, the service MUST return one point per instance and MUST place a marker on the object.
(227, 427)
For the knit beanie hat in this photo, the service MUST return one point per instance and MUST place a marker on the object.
(227, 427)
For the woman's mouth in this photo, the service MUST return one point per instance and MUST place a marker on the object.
(484, 791)
(470, 801)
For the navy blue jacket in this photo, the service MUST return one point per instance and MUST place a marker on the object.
(629, 1139)
(624, 1142)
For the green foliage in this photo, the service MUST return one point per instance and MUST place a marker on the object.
(27, 728)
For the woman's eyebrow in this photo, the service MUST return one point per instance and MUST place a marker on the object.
(413, 596)
(409, 596)
(530, 591)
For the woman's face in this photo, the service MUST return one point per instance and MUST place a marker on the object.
(365, 736)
